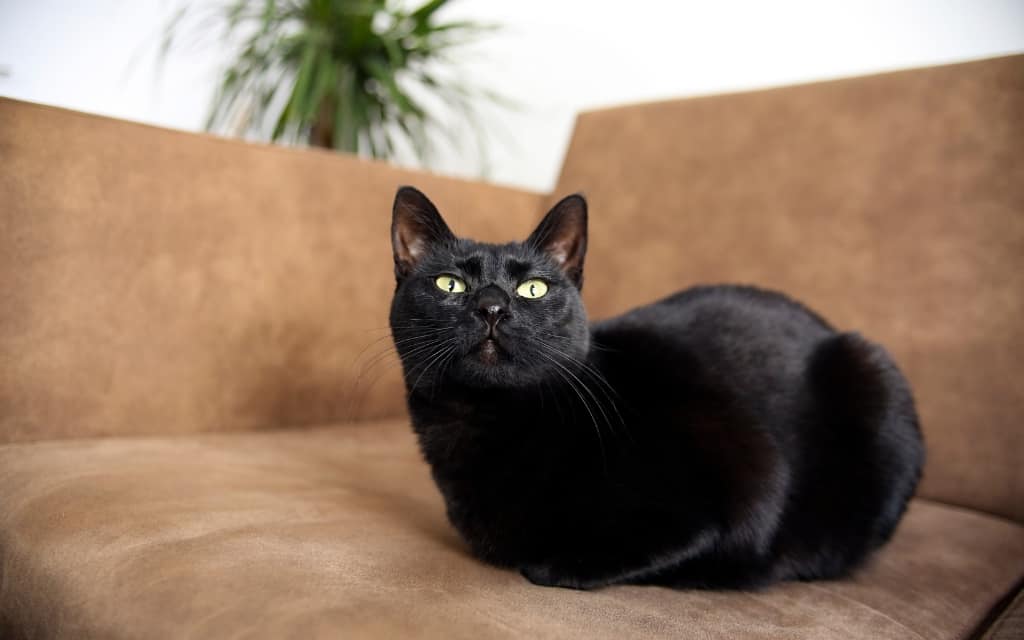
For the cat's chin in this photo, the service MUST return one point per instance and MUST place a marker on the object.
(491, 367)
(475, 373)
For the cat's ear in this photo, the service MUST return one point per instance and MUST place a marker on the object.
(416, 227)
(562, 234)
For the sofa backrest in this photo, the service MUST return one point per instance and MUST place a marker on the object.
(156, 282)
(892, 204)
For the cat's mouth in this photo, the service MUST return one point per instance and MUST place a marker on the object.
(489, 350)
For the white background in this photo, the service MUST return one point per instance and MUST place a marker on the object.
(554, 57)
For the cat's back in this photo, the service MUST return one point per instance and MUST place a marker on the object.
(722, 313)
(733, 334)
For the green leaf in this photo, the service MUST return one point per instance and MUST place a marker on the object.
(346, 130)
(353, 70)
(422, 15)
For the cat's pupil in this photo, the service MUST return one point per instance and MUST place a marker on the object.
(451, 285)
(531, 289)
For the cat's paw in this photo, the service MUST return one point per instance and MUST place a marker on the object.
(546, 575)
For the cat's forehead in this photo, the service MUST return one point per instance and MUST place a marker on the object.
(486, 259)
(466, 248)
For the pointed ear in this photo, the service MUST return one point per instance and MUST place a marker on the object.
(416, 227)
(562, 234)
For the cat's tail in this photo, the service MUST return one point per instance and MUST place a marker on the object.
(876, 436)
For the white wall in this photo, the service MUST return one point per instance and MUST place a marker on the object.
(555, 57)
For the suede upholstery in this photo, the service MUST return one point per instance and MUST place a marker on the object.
(164, 282)
(340, 533)
(179, 312)
(1009, 625)
(891, 204)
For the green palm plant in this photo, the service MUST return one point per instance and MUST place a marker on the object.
(362, 76)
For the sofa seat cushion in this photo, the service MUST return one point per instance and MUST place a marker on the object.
(339, 532)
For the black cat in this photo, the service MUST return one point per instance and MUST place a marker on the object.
(725, 437)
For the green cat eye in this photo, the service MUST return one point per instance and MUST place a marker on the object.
(532, 289)
(451, 284)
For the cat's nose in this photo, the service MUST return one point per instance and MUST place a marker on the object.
(492, 305)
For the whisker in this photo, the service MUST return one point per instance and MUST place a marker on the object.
(582, 384)
(428, 323)
(440, 353)
(365, 381)
(585, 366)
(416, 342)
(422, 334)
(603, 386)
(586, 405)
(446, 362)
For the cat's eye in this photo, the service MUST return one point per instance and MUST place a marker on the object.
(451, 284)
(532, 289)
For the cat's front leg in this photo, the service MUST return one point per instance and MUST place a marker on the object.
(550, 575)
(614, 564)
(586, 575)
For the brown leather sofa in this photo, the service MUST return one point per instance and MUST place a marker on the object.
(204, 433)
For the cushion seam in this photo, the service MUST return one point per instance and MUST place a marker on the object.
(867, 606)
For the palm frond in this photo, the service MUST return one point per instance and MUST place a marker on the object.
(346, 74)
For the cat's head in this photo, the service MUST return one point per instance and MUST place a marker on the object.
(487, 315)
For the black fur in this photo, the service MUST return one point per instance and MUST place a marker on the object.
(725, 437)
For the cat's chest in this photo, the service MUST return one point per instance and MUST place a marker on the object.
(514, 457)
